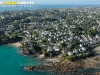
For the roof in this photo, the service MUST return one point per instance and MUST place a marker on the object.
(70, 53)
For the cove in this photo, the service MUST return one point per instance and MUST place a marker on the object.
(12, 62)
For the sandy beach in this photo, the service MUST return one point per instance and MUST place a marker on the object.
(41, 56)
(17, 44)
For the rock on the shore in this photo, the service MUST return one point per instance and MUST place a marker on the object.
(28, 68)
(98, 73)
(57, 67)
(92, 62)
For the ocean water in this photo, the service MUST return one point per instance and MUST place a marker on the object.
(42, 6)
(12, 62)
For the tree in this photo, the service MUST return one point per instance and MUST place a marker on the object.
(75, 42)
(63, 44)
(92, 33)
(14, 35)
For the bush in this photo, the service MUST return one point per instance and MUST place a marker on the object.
(70, 57)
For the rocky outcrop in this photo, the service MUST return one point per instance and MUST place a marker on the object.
(67, 67)
(98, 73)
(28, 68)
(57, 68)
(92, 62)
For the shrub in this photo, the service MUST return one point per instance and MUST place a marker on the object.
(70, 57)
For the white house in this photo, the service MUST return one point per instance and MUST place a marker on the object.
(56, 48)
(70, 53)
(50, 48)
(75, 51)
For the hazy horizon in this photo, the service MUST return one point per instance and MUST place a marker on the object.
(59, 1)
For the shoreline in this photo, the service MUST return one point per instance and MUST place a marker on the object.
(91, 62)
(64, 68)
(54, 66)
(16, 44)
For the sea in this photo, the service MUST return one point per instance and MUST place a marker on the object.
(46, 6)
(12, 62)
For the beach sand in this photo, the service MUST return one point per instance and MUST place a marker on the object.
(41, 56)
(17, 44)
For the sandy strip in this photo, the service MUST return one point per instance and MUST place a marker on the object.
(52, 60)
(41, 56)
(17, 44)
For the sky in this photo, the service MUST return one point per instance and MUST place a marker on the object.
(60, 1)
